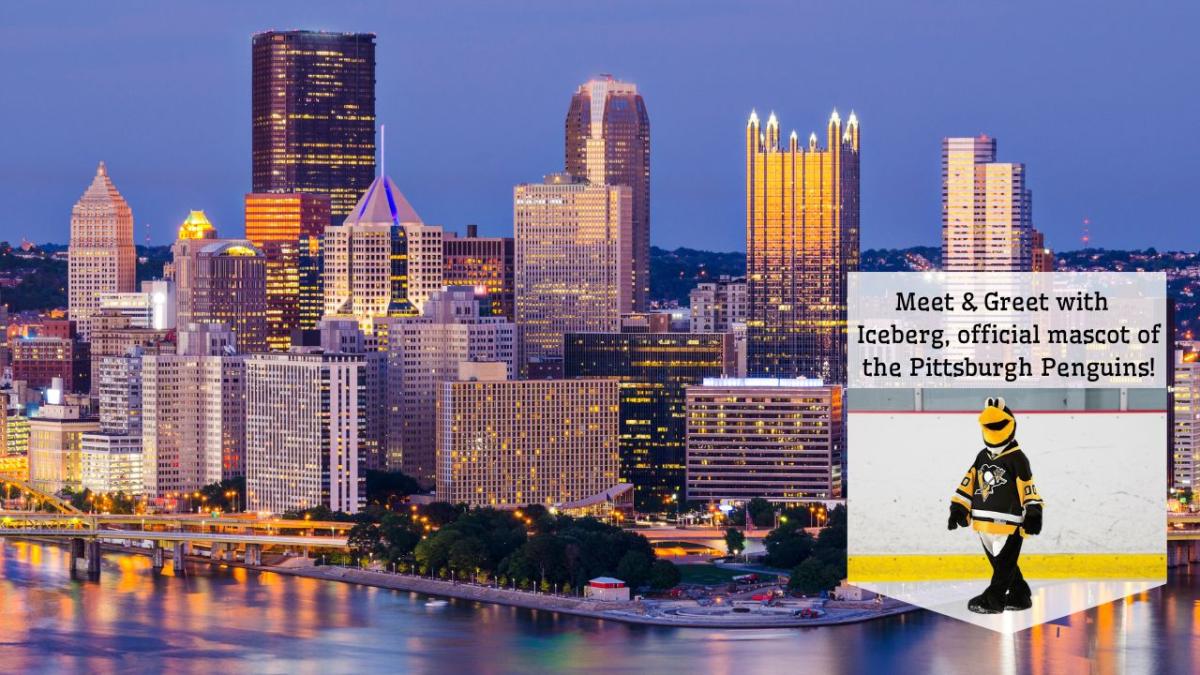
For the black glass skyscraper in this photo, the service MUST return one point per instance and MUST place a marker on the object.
(313, 110)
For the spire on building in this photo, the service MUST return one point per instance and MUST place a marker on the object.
(835, 118)
(381, 204)
(753, 118)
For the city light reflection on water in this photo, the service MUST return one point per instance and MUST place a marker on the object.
(232, 620)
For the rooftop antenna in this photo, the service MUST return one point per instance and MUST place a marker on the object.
(383, 150)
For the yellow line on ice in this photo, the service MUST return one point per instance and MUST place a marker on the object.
(1033, 566)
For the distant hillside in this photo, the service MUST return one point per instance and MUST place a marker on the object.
(36, 280)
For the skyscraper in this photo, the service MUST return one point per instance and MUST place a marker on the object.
(780, 439)
(573, 262)
(303, 423)
(1185, 436)
(382, 261)
(484, 263)
(313, 115)
(101, 255)
(193, 412)
(288, 229)
(987, 211)
(608, 142)
(219, 281)
(654, 370)
(801, 242)
(508, 443)
(424, 352)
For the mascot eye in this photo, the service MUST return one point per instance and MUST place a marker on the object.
(990, 403)
(1000, 403)
(996, 426)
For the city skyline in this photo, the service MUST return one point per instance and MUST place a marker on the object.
(1064, 134)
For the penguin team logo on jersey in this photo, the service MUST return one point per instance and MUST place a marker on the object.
(990, 478)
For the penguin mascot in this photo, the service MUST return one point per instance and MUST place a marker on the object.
(998, 499)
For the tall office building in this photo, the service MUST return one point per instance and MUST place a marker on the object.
(111, 457)
(303, 424)
(382, 261)
(313, 115)
(987, 210)
(484, 263)
(288, 229)
(608, 142)
(573, 262)
(425, 352)
(654, 370)
(39, 360)
(716, 306)
(779, 439)
(801, 242)
(345, 336)
(1186, 432)
(1041, 257)
(219, 281)
(101, 256)
(193, 412)
(508, 443)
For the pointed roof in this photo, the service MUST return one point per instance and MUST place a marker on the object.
(101, 192)
(197, 226)
(383, 204)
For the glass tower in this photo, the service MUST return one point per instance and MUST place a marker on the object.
(313, 115)
(801, 241)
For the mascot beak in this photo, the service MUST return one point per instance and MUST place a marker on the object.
(997, 422)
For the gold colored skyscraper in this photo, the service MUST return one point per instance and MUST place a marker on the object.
(102, 258)
(801, 241)
(288, 228)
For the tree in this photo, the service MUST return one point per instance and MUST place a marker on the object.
(760, 512)
(814, 576)
(735, 541)
(634, 569)
(390, 487)
(664, 574)
(468, 555)
(787, 546)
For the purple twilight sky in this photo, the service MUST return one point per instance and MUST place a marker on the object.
(1099, 99)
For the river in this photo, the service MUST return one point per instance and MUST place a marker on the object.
(226, 620)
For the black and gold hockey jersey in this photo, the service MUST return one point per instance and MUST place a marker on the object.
(998, 490)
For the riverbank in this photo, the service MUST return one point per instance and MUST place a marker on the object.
(649, 612)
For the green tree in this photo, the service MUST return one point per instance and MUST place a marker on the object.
(814, 576)
(761, 512)
(664, 574)
(787, 546)
(634, 569)
(390, 488)
(467, 556)
(735, 541)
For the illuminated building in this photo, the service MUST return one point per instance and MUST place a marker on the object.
(383, 261)
(193, 412)
(654, 370)
(55, 442)
(717, 305)
(801, 242)
(14, 456)
(101, 256)
(608, 143)
(781, 440)
(573, 261)
(152, 307)
(987, 212)
(1186, 432)
(219, 281)
(344, 336)
(508, 443)
(39, 360)
(111, 458)
(288, 229)
(423, 353)
(129, 320)
(303, 424)
(484, 263)
(1042, 256)
(313, 115)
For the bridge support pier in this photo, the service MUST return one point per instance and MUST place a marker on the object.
(218, 551)
(178, 557)
(254, 554)
(93, 560)
(158, 557)
(85, 558)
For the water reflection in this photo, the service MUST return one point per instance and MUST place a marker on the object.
(233, 620)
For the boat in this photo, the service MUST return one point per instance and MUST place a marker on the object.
(436, 603)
